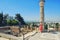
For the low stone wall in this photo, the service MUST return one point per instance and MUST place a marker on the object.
(4, 28)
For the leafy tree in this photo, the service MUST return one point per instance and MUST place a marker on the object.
(20, 19)
(46, 26)
(1, 19)
(5, 17)
(14, 22)
(57, 25)
(9, 22)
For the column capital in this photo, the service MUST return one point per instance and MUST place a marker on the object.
(42, 0)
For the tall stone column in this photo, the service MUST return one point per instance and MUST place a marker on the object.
(42, 12)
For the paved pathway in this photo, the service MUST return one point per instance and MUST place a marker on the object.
(3, 38)
(11, 37)
(36, 36)
(46, 36)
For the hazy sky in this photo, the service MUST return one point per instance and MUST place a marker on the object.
(29, 9)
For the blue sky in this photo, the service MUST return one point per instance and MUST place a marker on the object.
(29, 9)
